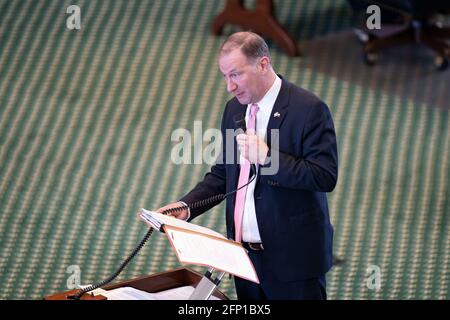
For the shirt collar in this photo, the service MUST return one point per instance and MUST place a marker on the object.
(267, 102)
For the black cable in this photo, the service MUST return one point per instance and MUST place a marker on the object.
(194, 205)
(78, 295)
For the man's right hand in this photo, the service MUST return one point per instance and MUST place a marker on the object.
(179, 214)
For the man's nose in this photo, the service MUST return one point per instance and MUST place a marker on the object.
(231, 86)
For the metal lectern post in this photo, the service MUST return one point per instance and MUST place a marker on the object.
(206, 286)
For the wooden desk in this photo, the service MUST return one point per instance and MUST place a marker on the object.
(154, 283)
(261, 20)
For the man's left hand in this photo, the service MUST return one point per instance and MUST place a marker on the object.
(252, 147)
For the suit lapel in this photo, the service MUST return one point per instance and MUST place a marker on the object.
(279, 110)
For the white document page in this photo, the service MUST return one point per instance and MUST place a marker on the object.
(220, 254)
(130, 293)
(172, 221)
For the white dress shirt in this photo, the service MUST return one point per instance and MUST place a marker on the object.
(250, 231)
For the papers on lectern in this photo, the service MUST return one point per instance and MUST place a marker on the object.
(194, 244)
(130, 293)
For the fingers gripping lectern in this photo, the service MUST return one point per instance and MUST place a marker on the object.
(192, 244)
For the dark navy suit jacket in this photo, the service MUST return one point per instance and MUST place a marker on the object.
(291, 205)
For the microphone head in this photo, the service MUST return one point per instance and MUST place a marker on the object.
(239, 120)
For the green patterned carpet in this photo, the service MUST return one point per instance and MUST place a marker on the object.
(86, 119)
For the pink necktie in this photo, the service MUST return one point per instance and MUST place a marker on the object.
(243, 179)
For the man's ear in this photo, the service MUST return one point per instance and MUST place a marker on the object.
(264, 64)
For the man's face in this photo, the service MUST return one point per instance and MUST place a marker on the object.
(243, 77)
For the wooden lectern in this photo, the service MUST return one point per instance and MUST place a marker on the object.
(154, 283)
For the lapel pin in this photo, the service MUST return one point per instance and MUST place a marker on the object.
(276, 115)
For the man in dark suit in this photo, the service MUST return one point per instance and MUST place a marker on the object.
(284, 221)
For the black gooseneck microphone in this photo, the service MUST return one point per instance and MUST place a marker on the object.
(239, 120)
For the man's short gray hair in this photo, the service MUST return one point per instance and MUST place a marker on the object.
(250, 43)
